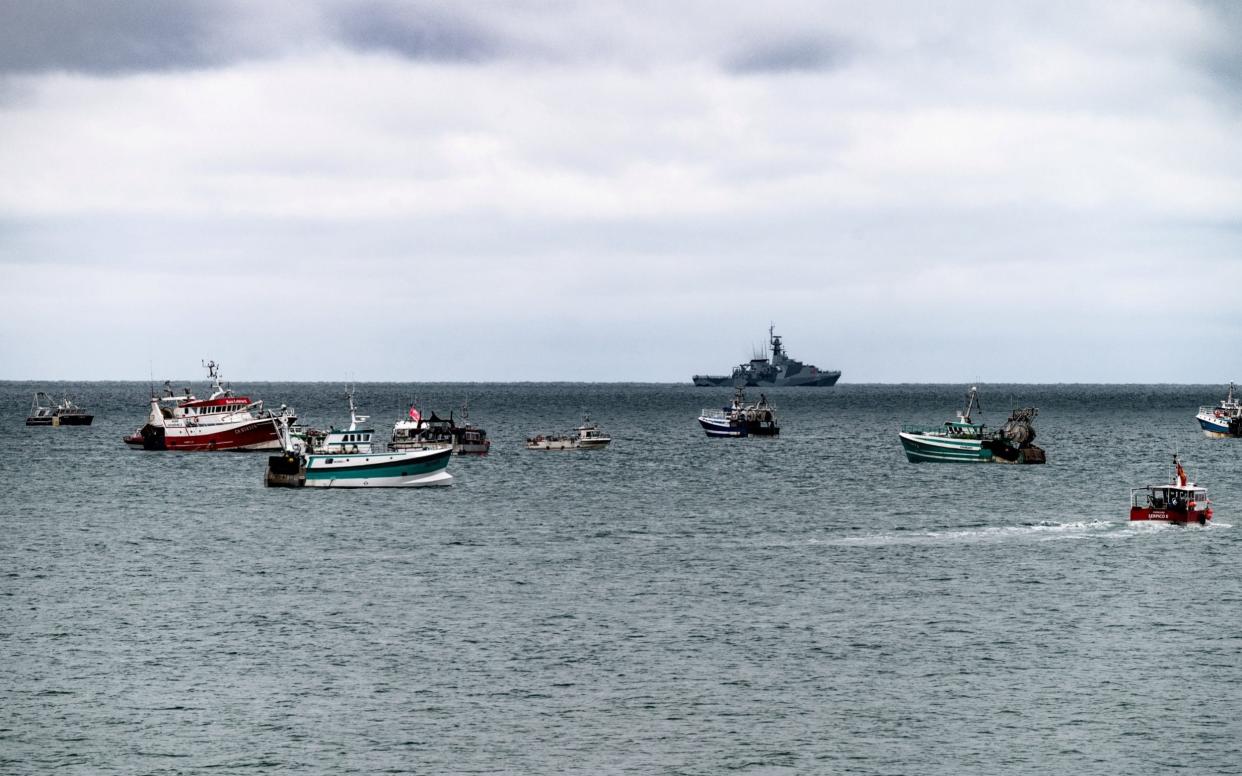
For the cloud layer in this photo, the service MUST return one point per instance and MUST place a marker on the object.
(628, 191)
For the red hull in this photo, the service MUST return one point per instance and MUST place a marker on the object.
(1170, 515)
(258, 435)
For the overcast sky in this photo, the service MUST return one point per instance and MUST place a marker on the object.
(1041, 192)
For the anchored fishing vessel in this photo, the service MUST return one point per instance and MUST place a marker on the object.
(964, 441)
(220, 422)
(1224, 420)
(588, 436)
(44, 413)
(345, 459)
(778, 370)
(1182, 501)
(740, 419)
(419, 432)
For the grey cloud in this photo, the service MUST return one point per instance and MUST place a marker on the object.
(1222, 62)
(116, 37)
(110, 37)
(418, 32)
(790, 55)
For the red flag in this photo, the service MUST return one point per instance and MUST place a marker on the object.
(414, 414)
(1181, 473)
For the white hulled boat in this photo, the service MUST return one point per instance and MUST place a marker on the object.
(588, 436)
(420, 432)
(345, 459)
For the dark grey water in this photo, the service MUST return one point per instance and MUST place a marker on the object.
(671, 605)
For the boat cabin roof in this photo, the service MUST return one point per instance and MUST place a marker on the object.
(1191, 488)
(229, 401)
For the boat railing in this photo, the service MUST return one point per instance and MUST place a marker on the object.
(922, 428)
(1218, 411)
(968, 430)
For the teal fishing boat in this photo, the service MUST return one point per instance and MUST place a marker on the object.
(344, 458)
(964, 441)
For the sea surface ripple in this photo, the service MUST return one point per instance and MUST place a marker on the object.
(674, 604)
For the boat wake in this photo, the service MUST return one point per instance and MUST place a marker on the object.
(1041, 531)
(1045, 530)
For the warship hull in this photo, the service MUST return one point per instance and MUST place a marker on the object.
(818, 380)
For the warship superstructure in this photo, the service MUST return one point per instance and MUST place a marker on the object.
(776, 370)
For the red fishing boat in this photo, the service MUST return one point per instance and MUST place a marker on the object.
(1181, 501)
(221, 422)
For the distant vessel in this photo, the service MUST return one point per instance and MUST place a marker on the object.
(221, 422)
(964, 441)
(44, 413)
(419, 432)
(1179, 502)
(588, 436)
(779, 370)
(713, 381)
(1224, 420)
(345, 459)
(740, 419)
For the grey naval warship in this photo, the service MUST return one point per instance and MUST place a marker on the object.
(778, 370)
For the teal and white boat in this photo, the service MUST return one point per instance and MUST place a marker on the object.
(964, 441)
(344, 458)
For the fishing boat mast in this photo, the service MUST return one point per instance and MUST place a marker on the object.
(972, 401)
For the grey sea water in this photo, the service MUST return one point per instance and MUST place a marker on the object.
(674, 604)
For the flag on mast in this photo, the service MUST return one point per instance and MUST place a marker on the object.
(414, 414)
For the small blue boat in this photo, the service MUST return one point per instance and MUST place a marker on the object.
(740, 419)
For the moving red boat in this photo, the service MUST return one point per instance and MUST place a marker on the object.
(221, 422)
(1179, 502)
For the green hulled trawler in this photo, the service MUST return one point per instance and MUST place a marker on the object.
(964, 441)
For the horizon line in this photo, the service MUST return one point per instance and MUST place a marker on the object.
(610, 382)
